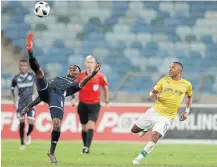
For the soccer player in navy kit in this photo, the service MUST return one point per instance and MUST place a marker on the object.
(24, 82)
(54, 92)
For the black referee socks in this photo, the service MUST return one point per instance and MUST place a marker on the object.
(33, 62)
(55, 135)
(84, 138)
(89, 137)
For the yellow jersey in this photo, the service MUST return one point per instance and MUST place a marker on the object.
(172, 93)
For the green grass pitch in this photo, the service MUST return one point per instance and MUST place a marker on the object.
(108, 154)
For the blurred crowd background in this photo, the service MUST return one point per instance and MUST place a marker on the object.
(134, 41)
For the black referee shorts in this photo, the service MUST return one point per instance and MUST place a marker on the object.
(88, 112)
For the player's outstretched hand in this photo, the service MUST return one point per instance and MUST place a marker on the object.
(24, 111)
(97, 67)
(29, 40)
(183, 116)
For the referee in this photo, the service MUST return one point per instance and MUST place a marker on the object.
(89, 102)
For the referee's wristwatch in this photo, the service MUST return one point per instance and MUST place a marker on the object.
(106, 102)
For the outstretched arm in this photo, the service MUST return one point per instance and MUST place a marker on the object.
(32, 104)
(84, 81)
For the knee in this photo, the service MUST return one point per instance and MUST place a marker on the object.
(84, 127)
(91, 125)
(40, 73)
(155, 137)
(135, 129)
(56, 125)
(30, 121)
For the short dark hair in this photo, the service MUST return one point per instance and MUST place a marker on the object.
(23, 61)
(180, 64)
(75, 66)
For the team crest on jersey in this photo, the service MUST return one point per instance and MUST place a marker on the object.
(29, 78)
(95, 87)
(182, 85)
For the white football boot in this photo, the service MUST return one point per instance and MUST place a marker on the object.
(135, 162)
(28, 140)
(22, 147)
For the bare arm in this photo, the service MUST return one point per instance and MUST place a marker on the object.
(13, 95)
(184, 115)
(32, 104)
(73, 101)
(84, 81)
(154, 94)
(13, 85)
(188, 101)
(106, 94)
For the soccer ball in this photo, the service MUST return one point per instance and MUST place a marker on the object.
(42, 9)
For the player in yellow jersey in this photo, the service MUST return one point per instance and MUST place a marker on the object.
(168, 94)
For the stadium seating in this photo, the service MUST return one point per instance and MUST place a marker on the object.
(125, 36)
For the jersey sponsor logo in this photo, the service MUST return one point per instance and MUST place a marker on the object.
(112, 125)
(96, 87)
(24, 85)
(172, 91)
(29, 77)
(183, 86)
(178, 92)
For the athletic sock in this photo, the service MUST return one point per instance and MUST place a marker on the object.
(148, 148)
(84, 138)
(55, 135)
(141, 155)
(31, 126)
(33, 62)
(21, 130)
(89, 137)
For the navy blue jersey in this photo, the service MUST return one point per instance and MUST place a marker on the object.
(64, 85)
(25, 85)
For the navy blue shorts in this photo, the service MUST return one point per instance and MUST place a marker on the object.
(56, 105)
(54, 100)
(43, 91)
